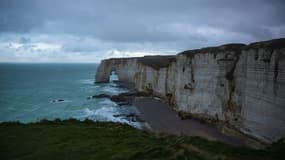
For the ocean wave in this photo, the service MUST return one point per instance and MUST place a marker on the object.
(107, 102)
(106, 109)
(86, 81)
(111, 89)
(107, 113)
(103, 114)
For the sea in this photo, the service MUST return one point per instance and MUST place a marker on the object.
(30, 92)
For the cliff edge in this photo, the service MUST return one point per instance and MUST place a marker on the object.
(240, 85)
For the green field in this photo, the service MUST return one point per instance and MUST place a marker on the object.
(72, 139)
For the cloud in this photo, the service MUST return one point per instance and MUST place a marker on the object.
(94, 28)
(67, 48)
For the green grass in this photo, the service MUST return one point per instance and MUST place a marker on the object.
(72, 139)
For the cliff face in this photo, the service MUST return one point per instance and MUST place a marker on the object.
(242, 85)
(126, 68)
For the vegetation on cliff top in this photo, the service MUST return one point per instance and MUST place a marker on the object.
(157, 62)
(237, 47)
(72, 139)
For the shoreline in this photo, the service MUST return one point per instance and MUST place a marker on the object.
(163, 119)
(159, 116)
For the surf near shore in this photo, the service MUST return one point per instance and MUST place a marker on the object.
(159, 117)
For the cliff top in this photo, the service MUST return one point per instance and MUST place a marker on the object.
(271, 44)
(161, 61)
(225, 47)
(157, 62)
(150, 60)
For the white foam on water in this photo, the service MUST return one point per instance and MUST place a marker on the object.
(106, 109)
(112, 89)
(106, 113)
(103, 114)
(107, 102)
(86, 81)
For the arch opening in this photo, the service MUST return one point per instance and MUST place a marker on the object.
(113, 76)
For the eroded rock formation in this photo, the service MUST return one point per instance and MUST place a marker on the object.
(242, 85)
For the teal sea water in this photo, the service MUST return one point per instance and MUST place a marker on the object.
(31, 92)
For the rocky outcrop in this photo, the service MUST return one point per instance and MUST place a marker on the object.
(241, 85)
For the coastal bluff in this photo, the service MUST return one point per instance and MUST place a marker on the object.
(240, 85)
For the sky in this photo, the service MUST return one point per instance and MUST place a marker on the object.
(92, 30)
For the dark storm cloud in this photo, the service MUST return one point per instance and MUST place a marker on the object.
(134, 20)
(161, 25)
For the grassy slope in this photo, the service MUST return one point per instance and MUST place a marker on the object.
(72, 139)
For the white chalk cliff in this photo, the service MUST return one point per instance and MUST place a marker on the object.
(242, 85)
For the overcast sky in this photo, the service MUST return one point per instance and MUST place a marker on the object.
(91, 30)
